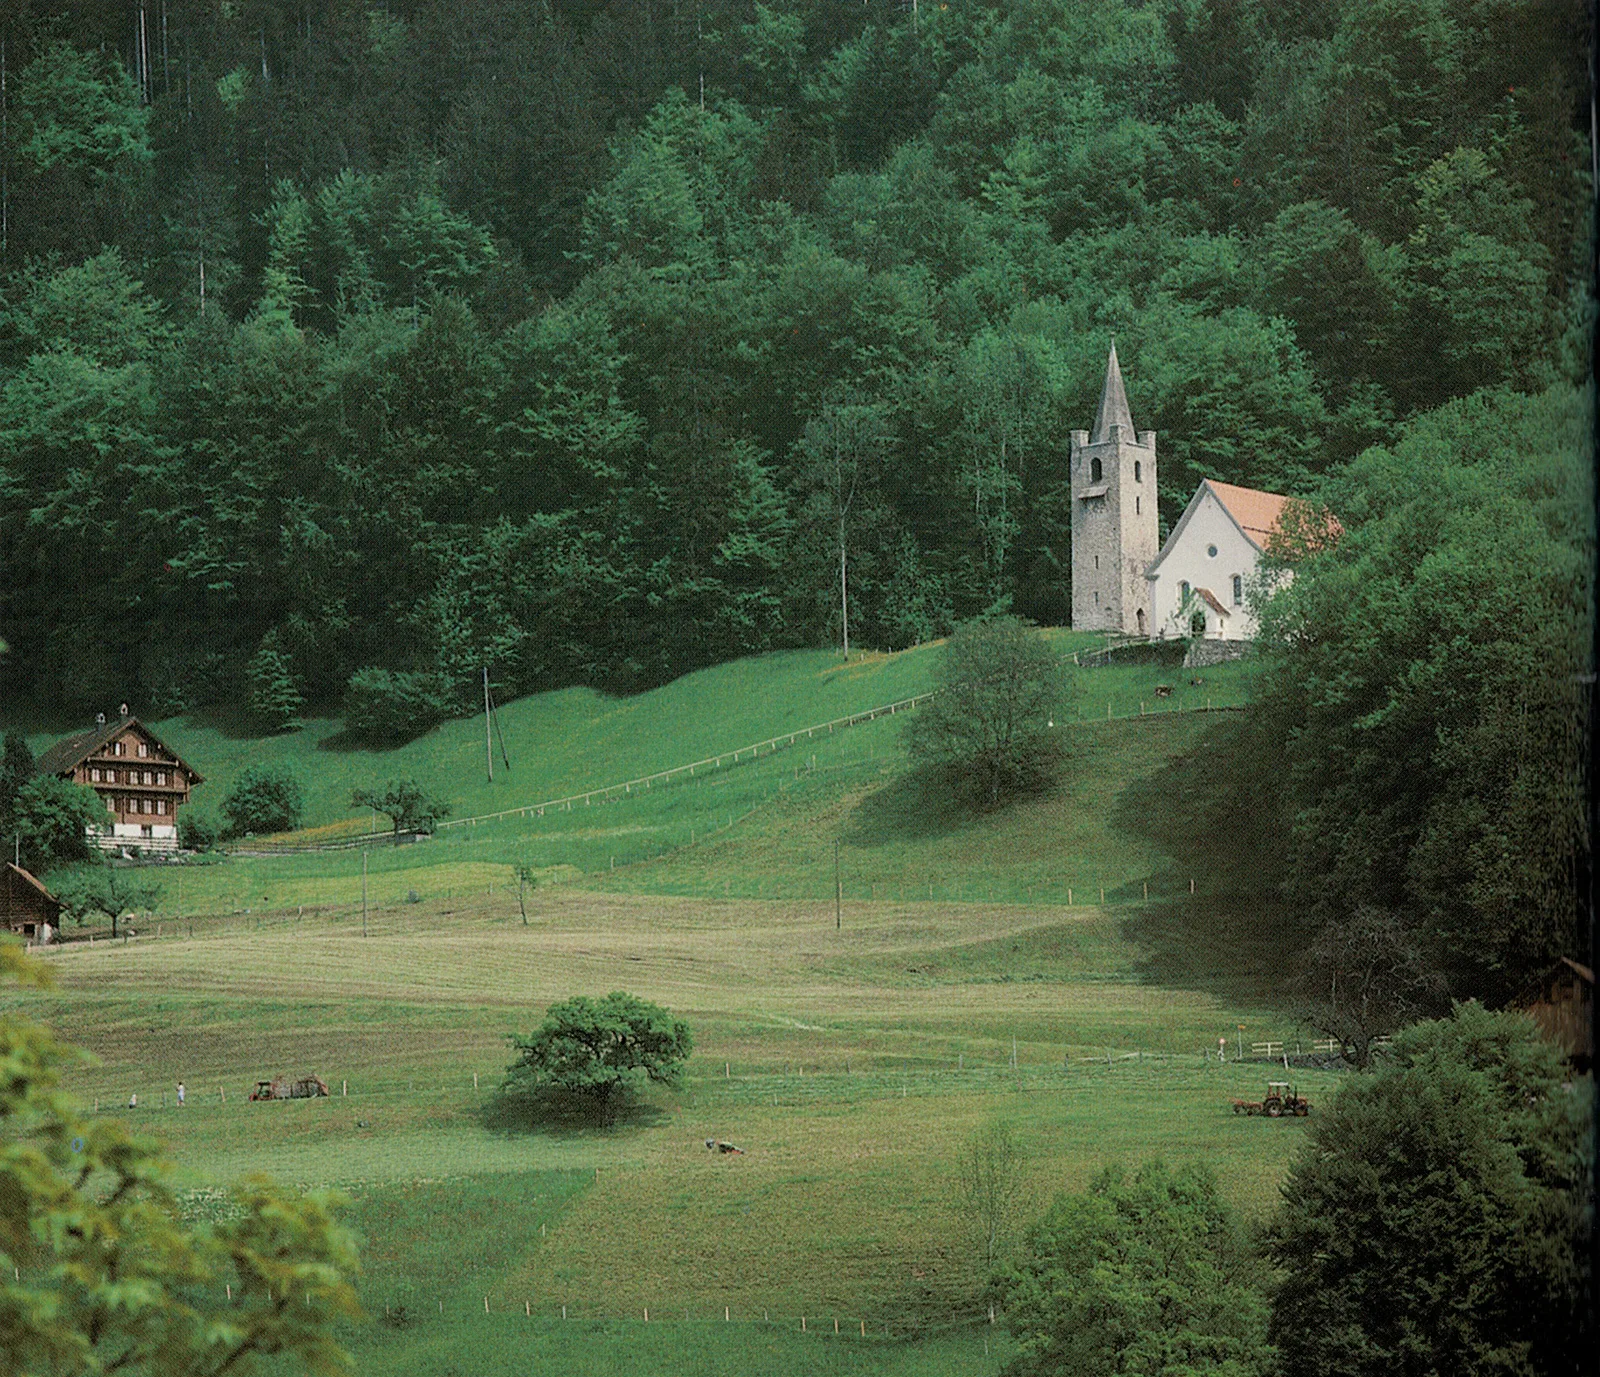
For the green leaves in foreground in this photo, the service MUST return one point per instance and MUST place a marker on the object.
(1150, 1275)
(599, 1050)
(98, 1273)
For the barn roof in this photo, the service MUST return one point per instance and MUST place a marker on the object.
(71, 751)
(29, 878)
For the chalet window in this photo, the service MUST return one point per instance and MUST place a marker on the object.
(94, 774)
(147, 778)
(144, 805)
(111, 805)
(118, 749)
(161, 776)
(1238, 589)
(161, 805)
(144, 749)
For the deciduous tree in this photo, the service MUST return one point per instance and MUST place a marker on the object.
(409, 806)
(991, 726)
(989, 1186)
(265, 798)
(108, 889)
(53, 819)
(600, 1051)
(1149, 1275)
(1438, 1217)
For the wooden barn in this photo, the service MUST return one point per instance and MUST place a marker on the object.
(1562, 1004)
(141, 781)
(26, 906)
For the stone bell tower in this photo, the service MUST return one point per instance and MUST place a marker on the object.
(1114, 527)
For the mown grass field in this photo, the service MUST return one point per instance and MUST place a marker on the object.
(851, 1063)
(1048, 966)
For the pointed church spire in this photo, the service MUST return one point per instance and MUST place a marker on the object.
(1113, 403)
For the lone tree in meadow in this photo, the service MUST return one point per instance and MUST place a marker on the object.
(599, 1050)
(407, 805)
(88, 890)
(991, 727)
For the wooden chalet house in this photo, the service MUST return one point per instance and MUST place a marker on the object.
(26, 906)
(141, 781)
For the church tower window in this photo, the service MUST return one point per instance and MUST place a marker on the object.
(1138, 472)
(1096, 472)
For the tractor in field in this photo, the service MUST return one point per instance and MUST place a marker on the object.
(282, 1088)
(1281, 1098)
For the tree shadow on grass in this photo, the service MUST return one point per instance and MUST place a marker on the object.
(1217, 814)
(918, 805)
(559, 1114)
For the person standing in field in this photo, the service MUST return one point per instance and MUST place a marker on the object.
(180, 1094)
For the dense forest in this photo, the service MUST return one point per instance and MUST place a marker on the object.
(352, 341)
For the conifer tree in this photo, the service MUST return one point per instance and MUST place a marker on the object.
(275, 698)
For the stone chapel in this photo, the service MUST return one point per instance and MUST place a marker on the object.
(1124, 579)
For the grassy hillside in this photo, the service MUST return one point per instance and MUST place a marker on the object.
(763, 828)
(1048, 965)
(565, 742)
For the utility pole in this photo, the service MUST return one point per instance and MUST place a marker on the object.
(363, 891)
(488, 733)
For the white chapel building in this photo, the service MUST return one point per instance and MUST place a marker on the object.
(1123, 578)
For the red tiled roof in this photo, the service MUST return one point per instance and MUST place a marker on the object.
(1259, 513)
(1211, 598)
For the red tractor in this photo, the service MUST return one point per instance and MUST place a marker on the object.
(1282, 1098)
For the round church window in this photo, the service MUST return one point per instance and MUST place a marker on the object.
(1212, 551)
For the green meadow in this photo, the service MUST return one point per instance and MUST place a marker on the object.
(871, 978)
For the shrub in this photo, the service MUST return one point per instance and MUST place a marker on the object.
(266, 798)
(198, 831)
(385, 707)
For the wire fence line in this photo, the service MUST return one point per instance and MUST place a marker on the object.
(724, 759)
(796, 1082)
(626, 788)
